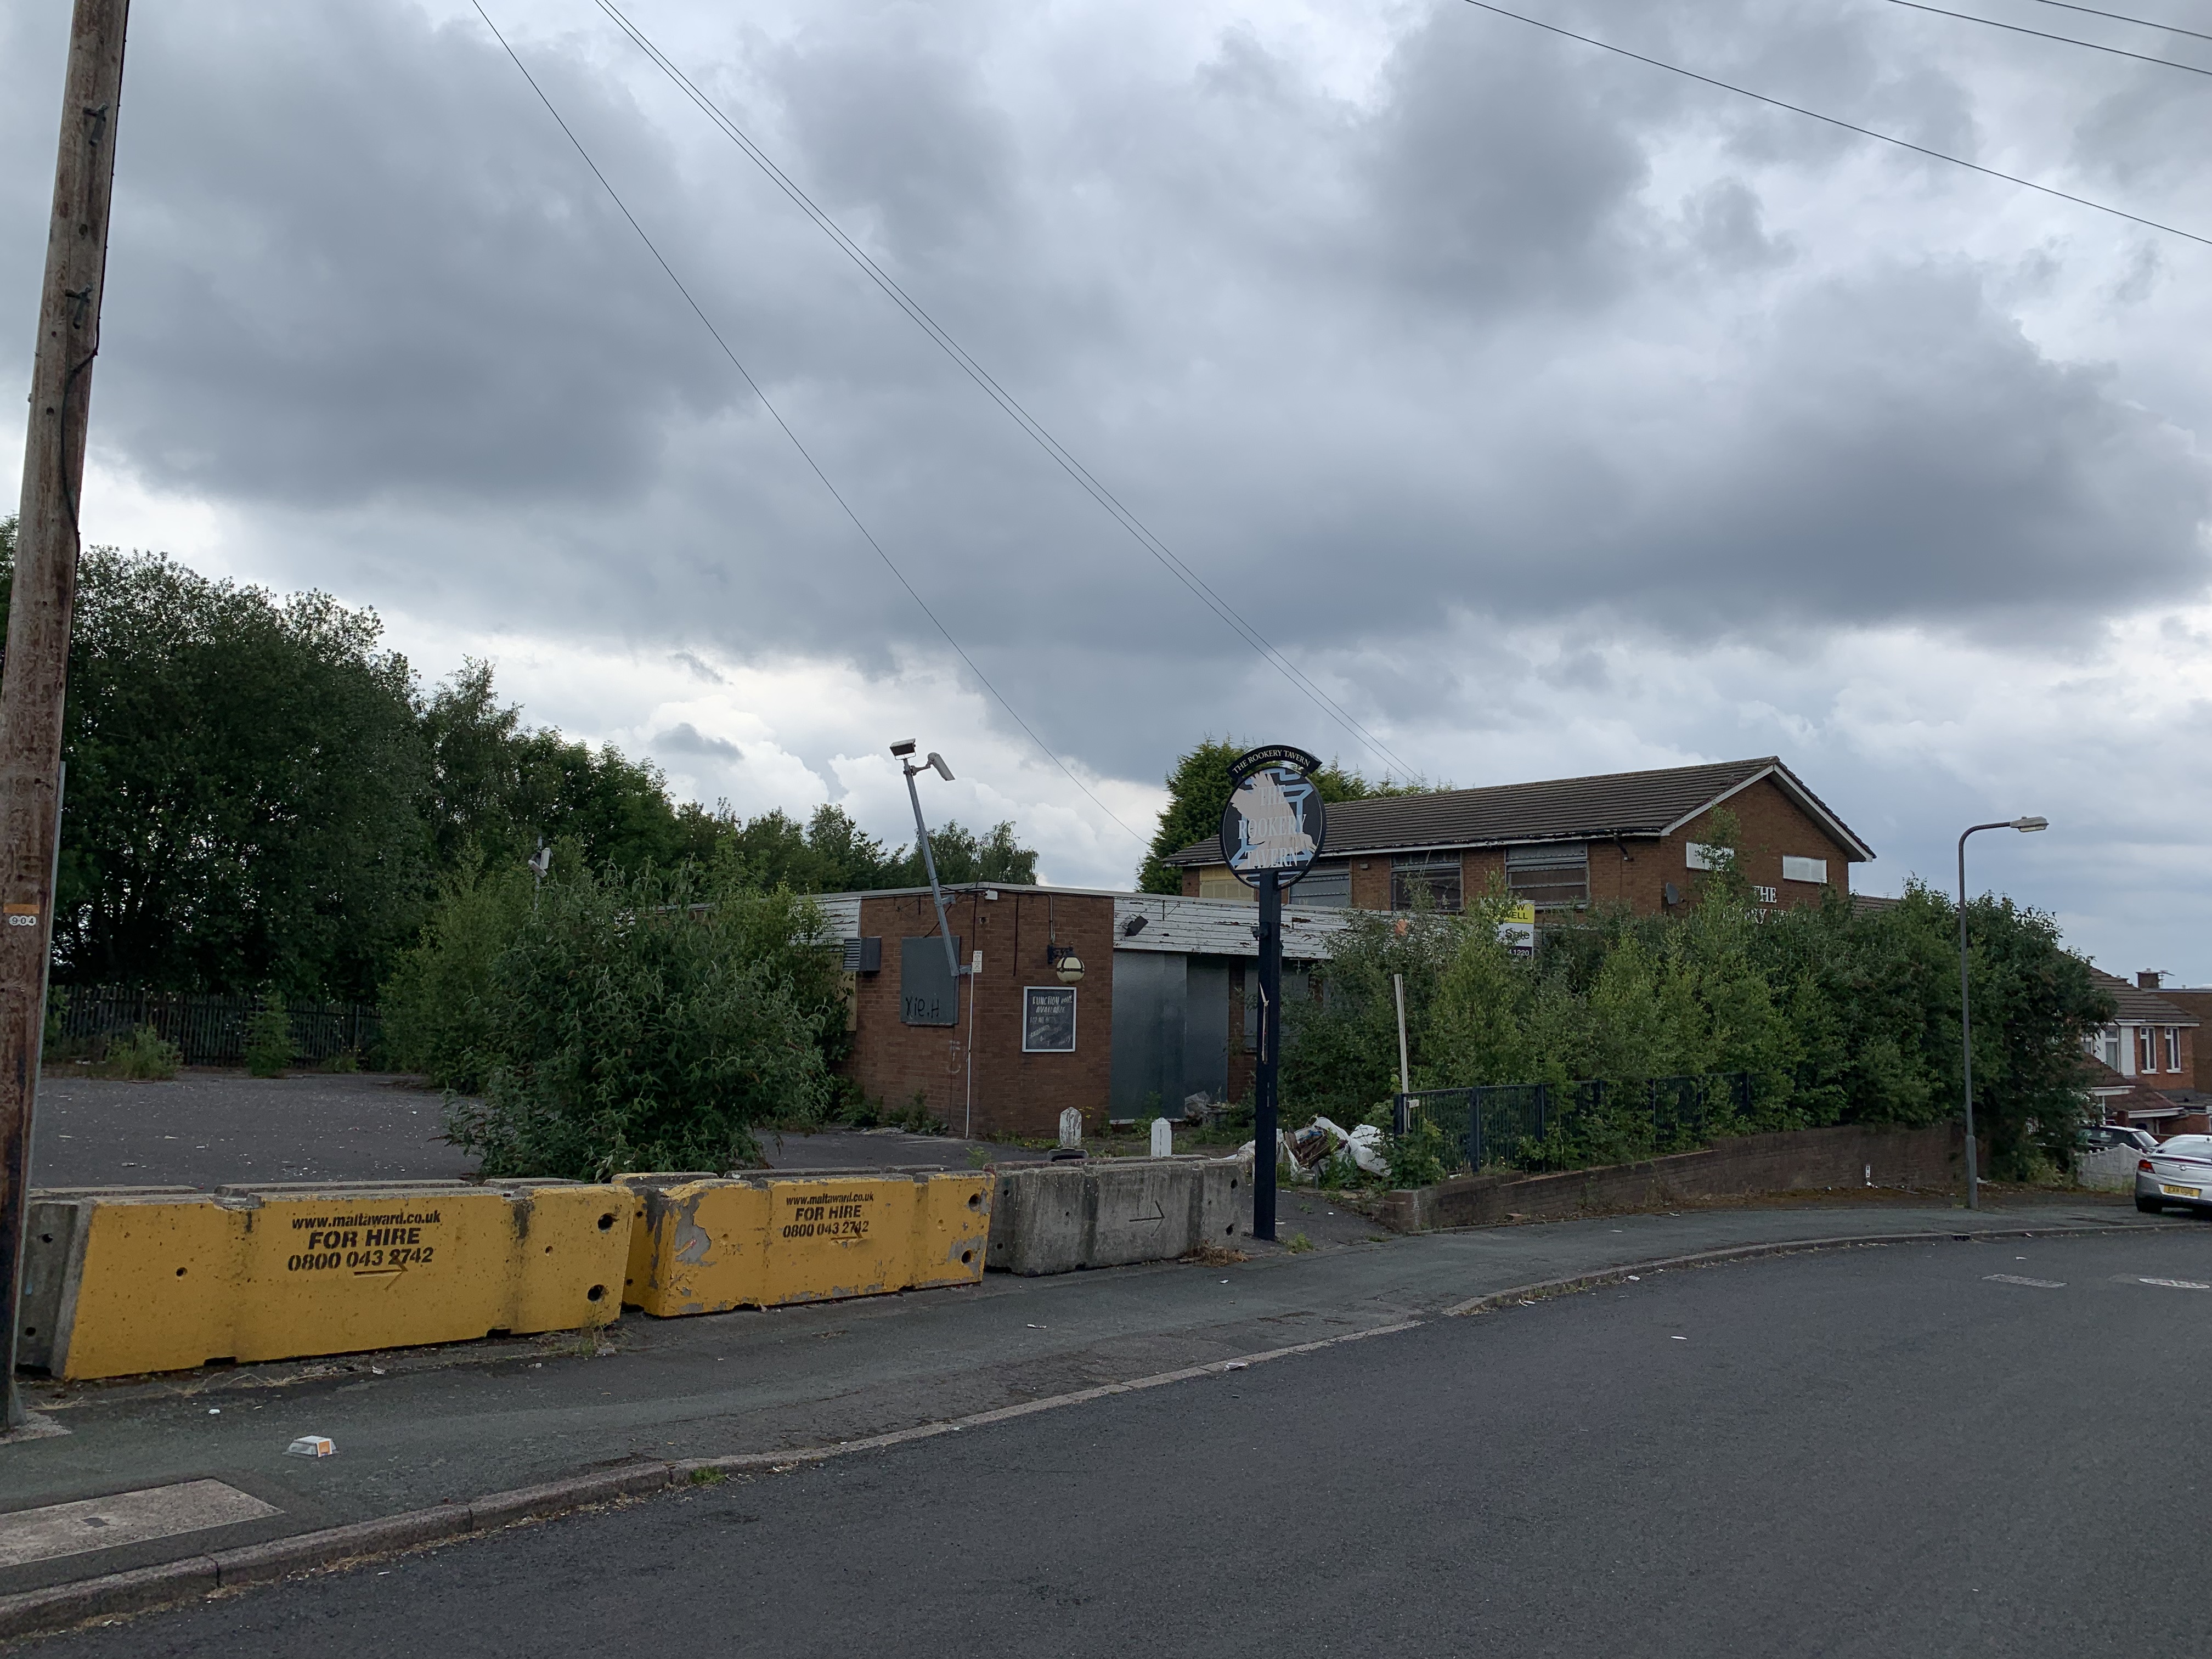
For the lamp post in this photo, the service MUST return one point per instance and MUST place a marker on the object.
(2026, 826)
(902, 752)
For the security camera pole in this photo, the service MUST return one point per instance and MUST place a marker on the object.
(1272, 830)
(2026, 826)
(903, 750)
(37, 671)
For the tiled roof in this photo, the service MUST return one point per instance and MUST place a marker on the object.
(2138, 1006)
(1624, 804)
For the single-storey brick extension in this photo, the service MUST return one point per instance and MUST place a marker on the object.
(1638, 838)
(1164, 1010)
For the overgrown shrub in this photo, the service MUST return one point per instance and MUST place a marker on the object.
(648, 1022)
(1837, 1014)
(142, 1057)
(269, 1046)
(438, 1005)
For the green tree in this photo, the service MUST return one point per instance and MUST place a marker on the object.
(963, 856)
(501, 787)
(246, 781)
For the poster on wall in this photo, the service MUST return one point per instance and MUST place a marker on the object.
(1048, 1019)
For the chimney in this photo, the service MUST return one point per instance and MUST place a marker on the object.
(2147, 980)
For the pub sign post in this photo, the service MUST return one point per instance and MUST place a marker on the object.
(1271, 831)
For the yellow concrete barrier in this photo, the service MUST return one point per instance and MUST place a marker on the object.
(704, 1244)
(120, 1281)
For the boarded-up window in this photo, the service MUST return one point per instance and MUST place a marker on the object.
(929, 994)
(1219, 884)
(1797, 869)
(1551, 875)
(1324, 887)
(1435, 873)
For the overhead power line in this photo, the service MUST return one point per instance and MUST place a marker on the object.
(805, 454)
(1835, 121)
(1141, 532)
(2042, 34)
(2122, 17)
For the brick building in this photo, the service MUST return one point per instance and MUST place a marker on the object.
(1163, 1010)
(1639, 838)
(2145, 1058)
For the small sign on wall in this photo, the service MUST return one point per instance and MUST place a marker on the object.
(1048, 1019)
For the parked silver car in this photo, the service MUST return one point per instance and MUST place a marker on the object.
(2097, 1136)
(2179, 1172)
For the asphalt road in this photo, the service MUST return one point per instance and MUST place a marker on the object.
(1886, 1452)
(208, 1128)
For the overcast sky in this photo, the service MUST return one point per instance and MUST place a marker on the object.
(1553, 413)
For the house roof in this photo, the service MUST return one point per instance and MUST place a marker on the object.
(1641, 805)
(2138, 1006)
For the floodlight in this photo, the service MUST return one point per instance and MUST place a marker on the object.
(903, 747)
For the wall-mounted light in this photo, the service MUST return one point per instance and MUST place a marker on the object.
(1065, 963)
(1134, 925)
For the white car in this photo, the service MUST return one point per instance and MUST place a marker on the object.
(2179, 1172)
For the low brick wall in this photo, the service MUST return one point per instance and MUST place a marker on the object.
(1796, 1160)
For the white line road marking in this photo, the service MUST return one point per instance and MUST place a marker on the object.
(129, 1517)
(2176, 1283)
(2036, 1284)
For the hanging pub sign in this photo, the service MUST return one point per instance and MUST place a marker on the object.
(1275, 819)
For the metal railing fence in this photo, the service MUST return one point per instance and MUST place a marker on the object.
(209, 1028)
(1544, 1126)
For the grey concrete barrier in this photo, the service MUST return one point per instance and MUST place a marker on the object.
(1108, 1213)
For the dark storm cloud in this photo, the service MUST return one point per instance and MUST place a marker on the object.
(352, 258)
(1443, 349)
(685, 738)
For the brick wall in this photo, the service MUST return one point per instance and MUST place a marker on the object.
(1015, 1093)
(2198, 1005)
(1770, 825)
(1798, 1160)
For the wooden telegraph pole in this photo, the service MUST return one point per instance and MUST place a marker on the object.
(35, 677)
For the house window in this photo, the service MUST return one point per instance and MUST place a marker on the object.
(2174, 1048)
(1797, 869)
(2108, 1046)
(1048, 1019)
(1435, 873)
(1554, 875)
(2146, 1049)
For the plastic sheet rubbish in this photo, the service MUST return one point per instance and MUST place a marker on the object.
(1308, 1150)
(312, 1445)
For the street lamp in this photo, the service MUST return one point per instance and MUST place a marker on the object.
(2026, 826)
(902, 750)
